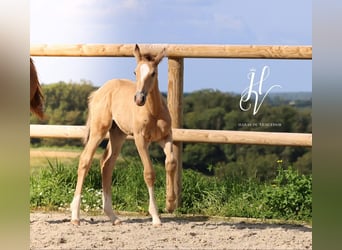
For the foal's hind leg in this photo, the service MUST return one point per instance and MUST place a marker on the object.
(170, 168)
(83, 168)
(116, 139)
(95, 137)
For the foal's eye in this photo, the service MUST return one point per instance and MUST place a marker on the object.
(153, 73)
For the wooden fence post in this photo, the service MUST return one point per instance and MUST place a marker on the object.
(175, 105)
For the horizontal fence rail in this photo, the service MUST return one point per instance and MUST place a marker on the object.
(177, 50)
(189, 135)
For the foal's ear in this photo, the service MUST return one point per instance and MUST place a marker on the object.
(160, 56)
(136, 53)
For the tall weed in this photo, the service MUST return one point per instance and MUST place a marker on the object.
(290, 195)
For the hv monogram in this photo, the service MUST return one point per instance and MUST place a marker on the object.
(255, 89)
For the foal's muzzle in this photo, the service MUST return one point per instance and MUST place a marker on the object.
(140, 98)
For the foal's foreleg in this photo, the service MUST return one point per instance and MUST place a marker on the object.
(112, 152)
(170, 168)
(149, 177)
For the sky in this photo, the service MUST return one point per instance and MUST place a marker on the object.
(225, 22)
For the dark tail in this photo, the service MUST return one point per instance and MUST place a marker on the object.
(36, 94)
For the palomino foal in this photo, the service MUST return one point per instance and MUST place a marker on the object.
(123, 108)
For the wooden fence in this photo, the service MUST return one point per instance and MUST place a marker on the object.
(176, 54)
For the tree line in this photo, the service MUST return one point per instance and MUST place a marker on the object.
(66, 104)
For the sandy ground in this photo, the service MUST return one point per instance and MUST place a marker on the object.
(52, 230)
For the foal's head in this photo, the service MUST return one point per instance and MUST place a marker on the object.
(146, 74)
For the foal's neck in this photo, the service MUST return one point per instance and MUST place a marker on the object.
(154, 100)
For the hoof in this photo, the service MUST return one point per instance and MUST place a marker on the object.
(156, 222)
(75, 222)
(170, 207)
(117, 222)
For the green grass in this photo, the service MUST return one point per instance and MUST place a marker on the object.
(287, 197)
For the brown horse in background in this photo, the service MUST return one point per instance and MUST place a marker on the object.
(122, 107)
(36, 94)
